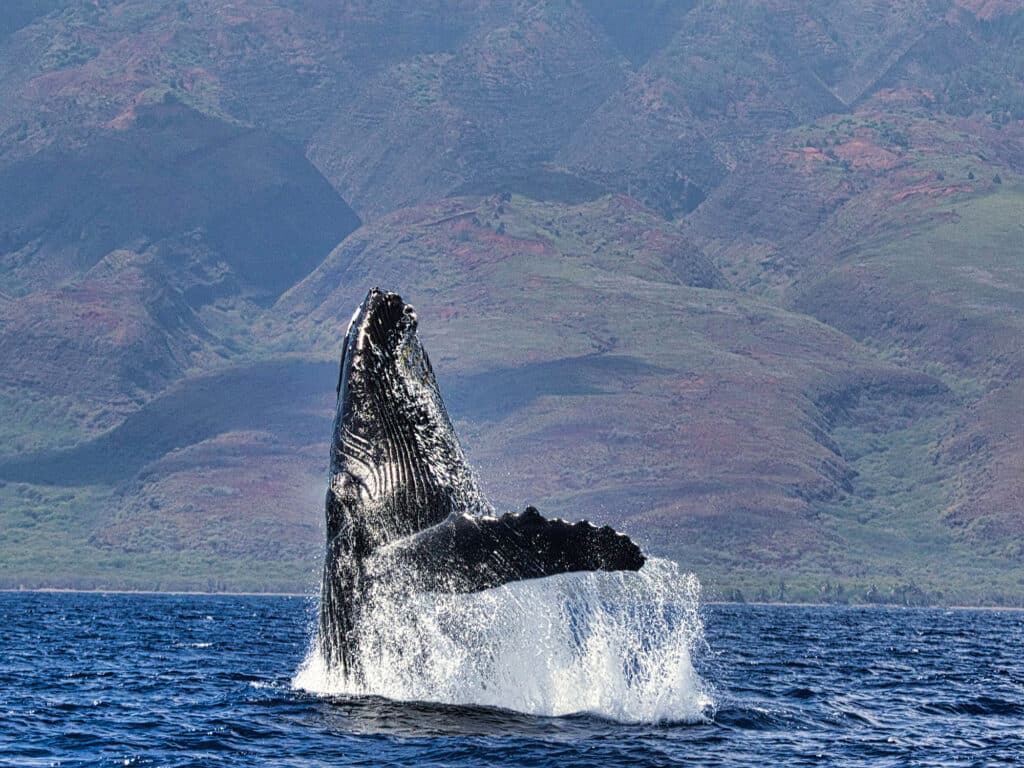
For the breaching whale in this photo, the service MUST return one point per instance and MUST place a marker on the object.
(402, 494)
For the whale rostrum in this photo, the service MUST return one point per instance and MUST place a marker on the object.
(402, 501)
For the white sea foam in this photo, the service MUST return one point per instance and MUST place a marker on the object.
(618, 645)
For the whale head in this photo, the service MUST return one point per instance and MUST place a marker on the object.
(396, 463)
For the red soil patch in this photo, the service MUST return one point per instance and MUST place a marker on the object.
(989, 9)
(535, 282)
(861, 153)
(531, 247)
(927, 189)
(659, 242)
(806, 154)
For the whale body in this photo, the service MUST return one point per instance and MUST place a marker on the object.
(402, 501)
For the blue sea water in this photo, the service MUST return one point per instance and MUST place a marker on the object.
(183, 680)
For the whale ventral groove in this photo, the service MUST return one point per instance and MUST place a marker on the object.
(402, 502)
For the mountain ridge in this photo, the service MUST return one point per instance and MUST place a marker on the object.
(743, 280)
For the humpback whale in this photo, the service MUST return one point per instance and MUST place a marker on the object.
(402, 501)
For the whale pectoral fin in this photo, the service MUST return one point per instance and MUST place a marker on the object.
(468, 554)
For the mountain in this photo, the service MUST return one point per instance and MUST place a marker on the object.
(745, 280)
(125, 259)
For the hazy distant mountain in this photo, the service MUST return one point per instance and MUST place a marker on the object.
(746, 279)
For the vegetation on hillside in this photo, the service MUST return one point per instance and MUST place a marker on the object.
(745, 279)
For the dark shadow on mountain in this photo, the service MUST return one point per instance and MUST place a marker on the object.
(16, 14)
(289, 398)
(639, 28)
(537, 183)
(251, 197)
(493, 395)
(293, 399)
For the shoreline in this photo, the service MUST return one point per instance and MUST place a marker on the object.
(788, 604)
(71, 590)
(784, 604)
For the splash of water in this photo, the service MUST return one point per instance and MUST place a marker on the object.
(617, 645)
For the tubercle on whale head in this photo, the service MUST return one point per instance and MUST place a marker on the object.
(382, 355)
(380, 325)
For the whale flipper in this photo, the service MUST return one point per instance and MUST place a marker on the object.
(468, 554)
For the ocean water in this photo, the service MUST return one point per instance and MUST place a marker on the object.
(183, 680)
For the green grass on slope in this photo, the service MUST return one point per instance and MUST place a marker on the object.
(712, 400)
(951, 292)
(893, 520)
(975, 259)
(888, 541)
(33, 422)
(45, 543)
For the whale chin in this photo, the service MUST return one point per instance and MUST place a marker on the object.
(402, 493)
